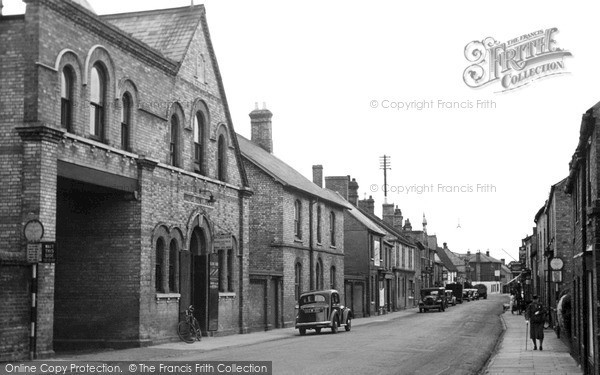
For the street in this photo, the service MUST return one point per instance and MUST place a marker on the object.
(457, 341)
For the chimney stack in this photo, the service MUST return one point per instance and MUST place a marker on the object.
(487, 253)
(318, 175)
(367, 204)
(503, 261)
(388, 213)
(260, 123)
(446, 245)
(397, 219)
(407, 225)
(353, 192)
(339, 184)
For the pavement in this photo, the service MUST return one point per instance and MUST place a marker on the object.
(512, 357)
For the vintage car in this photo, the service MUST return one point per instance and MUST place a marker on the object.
(450, 297)
(322, 309)
(432, 298)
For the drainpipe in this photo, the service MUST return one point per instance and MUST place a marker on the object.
(310, 244)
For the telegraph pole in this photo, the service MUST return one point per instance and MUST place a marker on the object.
(385, 163)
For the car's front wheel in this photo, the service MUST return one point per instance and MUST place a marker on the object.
(302, 331)
(318, 330)
(334, 326)
(348, 326)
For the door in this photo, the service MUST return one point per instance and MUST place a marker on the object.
(198, 289)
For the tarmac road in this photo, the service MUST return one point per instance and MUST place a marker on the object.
(457, 341)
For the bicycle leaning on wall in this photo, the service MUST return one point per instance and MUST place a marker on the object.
(189, 329)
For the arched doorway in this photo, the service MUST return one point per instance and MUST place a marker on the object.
(198, 276)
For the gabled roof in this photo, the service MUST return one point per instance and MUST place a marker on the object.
(169, 31)
(485, 258)
(284, 174)
(366, 221)
(441, 252)
(393, 231)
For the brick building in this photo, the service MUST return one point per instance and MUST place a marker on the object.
(583, 187)
(554, 241)
(296, 231)
(117, 139)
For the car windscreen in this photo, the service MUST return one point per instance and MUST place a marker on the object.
(312, 298)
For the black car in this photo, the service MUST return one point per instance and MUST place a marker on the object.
(322, 309)
(433, 299)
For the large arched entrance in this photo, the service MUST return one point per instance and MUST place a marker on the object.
(195, 275)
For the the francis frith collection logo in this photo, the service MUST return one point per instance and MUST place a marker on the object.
(515, 63)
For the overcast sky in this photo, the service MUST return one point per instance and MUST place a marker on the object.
(322, 67)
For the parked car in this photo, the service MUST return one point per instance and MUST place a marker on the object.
(432, 299)
(322, 309)
(457, 291)
(450, 298)
(481, 290)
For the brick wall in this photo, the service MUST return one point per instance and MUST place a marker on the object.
(115, 244)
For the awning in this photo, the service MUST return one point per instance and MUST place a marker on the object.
(515, 278)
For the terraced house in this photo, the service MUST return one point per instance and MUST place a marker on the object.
(120, 161)
(296, 231)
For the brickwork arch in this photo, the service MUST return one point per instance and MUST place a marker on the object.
(127, 87)
(201, 222)
(67, 58)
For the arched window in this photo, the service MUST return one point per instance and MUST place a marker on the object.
(319, 274)
(174, 144)
(222, 158)
(298, 219)
(298, 281)
(160, 260)
(332, 284)
(97, 100)
(332, 228)
(319, 224)
(125, 121)
(173, 267)
(199, 129)
(66, 98)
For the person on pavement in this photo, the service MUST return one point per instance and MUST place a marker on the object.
(534, 314)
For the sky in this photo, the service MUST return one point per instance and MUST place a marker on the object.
(345, 81)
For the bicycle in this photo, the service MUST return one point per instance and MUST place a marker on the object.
(189, 329)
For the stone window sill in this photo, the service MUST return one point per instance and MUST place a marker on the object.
(168, 297)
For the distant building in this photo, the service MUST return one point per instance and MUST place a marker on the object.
(450, 271)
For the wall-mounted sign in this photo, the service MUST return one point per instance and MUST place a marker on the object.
(213, 292)
(49, 252)
(223, 241)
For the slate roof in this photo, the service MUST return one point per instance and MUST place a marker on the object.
(390, 229)
(366, 221)
(166, 30)
(284, 174)
(441, 252)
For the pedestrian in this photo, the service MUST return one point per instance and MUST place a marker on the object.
(512, 303)
(534, 314)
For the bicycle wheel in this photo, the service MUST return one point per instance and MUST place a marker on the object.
(196, 329)
(185, 332)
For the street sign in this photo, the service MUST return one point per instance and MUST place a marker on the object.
(34, 252)
(557, 276)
